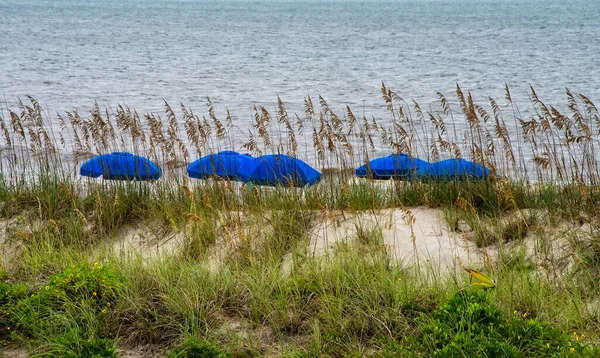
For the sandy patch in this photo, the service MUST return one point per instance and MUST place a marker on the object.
(410, 236)
(553, 249)
(143, 351)
(14, 352)
(10, 244)
(149, 240)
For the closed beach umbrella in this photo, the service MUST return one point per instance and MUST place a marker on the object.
(121, 166)
(452, 169)
(225, 164)
(279, 169)
(392, 166)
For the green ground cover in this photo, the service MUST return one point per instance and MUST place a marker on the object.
(64, 292)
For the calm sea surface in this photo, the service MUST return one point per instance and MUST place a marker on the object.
(68, 53)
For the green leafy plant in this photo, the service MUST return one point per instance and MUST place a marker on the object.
(77, 297)
(96, 284)
(470, 325)
(10, 294)
(72, 345)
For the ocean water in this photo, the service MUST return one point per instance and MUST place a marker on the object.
(69, 53)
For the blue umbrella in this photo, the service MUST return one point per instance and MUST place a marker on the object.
(395, 165)
(279, 169)
(225, 164)
(452, 169)
(121, 166)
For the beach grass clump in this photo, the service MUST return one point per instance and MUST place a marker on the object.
(10, 295)
(160, 302)
(64, 317)
(468, 323)
(73, 344)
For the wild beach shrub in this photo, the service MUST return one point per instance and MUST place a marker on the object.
(96, 284)
(10, 295)
(113, 208)
(74, 300)
(72, 344)
(469, 324)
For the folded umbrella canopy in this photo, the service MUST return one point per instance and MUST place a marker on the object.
(121, 166)
(279, 169)
(452, 169)
(225, 164)
(392, 166)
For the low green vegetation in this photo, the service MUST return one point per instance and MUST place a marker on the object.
(352, 303)
(66, 292)
(468, 324)
(64, 316)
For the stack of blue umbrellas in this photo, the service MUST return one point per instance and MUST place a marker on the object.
(279, 169)
(270, 169)
(404, 166)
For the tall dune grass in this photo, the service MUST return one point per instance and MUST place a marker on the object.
(547, 146)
